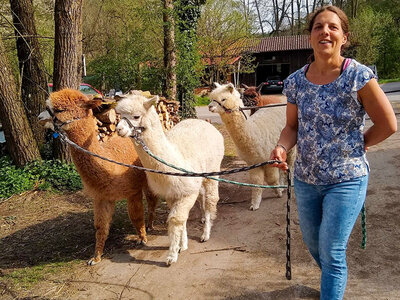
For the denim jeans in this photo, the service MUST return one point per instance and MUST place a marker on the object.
(327, 214)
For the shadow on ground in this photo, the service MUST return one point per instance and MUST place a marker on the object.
(65, 238)
(292, 292)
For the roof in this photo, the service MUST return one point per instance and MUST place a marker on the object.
(258, 45)
(282, 43)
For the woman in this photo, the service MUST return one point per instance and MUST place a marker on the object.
(327, 102)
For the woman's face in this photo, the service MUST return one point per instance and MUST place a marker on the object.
(327, 36)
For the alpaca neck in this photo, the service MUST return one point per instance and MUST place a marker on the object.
(238, 128)
(155, 139)
(236, 124)
(83, 133)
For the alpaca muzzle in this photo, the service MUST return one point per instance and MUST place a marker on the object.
(128, 129)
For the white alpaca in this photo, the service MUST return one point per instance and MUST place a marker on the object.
(254, 138)
(193, 145)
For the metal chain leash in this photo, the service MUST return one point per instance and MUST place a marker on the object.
(209, 174)
(288, 260)
(262, 106)
(185, 174)
(363, 227)
(288, 236)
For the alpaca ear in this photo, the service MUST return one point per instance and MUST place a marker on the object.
(216, 84)
(149, 103)
(230, 87)
(92, 104)
(245, 86)
(260, 87)
(118, 97)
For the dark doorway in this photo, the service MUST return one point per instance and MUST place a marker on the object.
(268, 70)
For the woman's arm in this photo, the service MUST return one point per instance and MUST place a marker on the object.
(288, 137)
(380, 111)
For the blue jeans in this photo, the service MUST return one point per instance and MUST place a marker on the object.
(327, 214)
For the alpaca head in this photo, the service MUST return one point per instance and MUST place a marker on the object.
(224, 99)
(134, 111)
(66, 106)
(250, 95)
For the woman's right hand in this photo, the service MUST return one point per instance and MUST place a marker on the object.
(279, 153)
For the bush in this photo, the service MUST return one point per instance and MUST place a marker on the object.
(202, 101)
(14, 180)
(43, 175)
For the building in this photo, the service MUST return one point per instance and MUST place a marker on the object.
(277, 56)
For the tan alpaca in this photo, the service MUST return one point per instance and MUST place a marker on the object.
(103, 181)
(254, 137)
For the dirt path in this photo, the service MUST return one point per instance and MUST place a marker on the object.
(244, 258)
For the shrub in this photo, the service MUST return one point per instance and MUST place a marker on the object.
(43, 175)
(202, 101)
(14, 180)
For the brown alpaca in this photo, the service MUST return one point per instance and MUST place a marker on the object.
(105, 182)
(252, 97)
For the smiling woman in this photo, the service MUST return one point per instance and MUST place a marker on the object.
(327, 103)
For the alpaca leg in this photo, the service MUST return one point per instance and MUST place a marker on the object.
(177, 218)
(212, 197)
(184, 239)
(136, 214)
(103, 212)
(202, 202)
(256, 177)
(151, 208)
(272, 177)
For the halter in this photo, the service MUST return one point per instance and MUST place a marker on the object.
(228, 110)
(57, 123)
(137, 130)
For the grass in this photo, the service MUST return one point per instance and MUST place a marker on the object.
(27, 277)
(383, 81)
(202, 101)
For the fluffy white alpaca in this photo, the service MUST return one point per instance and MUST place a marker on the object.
(192, 144)
(254, 138)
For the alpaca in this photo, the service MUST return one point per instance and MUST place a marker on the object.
(254, 138)
(192, 144)
(252, 97)
(103, 181)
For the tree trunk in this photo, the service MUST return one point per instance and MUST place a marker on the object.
(31, 66)
(259, 17)
(169, 50)
(188, 12)
(67, 55)
(20, 142)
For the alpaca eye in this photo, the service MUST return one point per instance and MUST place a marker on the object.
(136, 117)
(56, 111)
(223, 100)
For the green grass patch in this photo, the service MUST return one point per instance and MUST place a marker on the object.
(202, 101)
(29, 276)
(52, 175)
(383, 81)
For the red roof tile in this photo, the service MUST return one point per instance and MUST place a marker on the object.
(282, 43)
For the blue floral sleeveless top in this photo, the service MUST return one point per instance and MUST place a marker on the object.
(330, 141)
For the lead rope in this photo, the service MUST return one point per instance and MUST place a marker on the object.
(363, 227)
(289, 184)
(289, 196)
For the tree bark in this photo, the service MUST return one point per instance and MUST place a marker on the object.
(67, 55)
(20, 142)
(31, 66)
(169, 50)
(259, 17)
